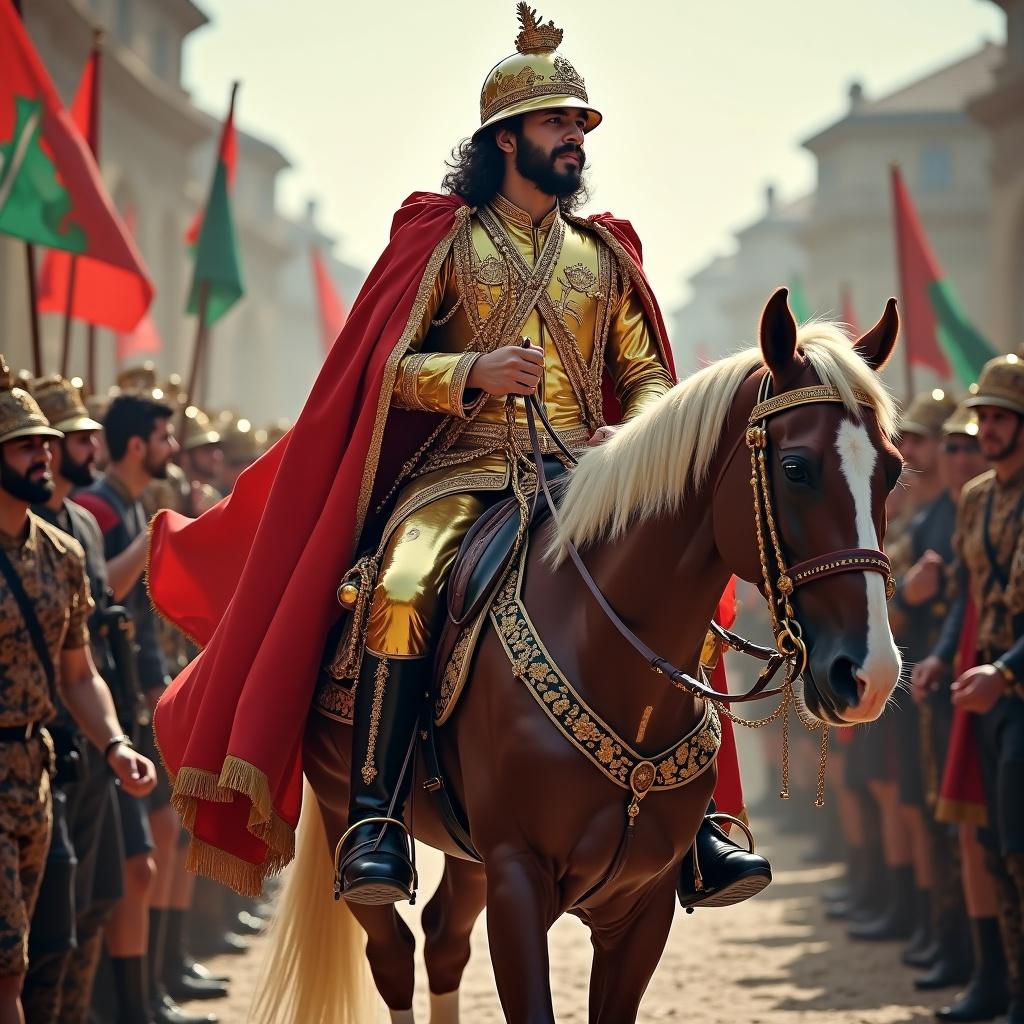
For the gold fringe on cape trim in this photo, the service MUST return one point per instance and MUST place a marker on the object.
(240, 875)
(961, 812)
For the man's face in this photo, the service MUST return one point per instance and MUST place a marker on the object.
(205, 463)
(999, 432)
(160, 449)
(25, 469)
(919, 452)
(960, 460)
(549, 150)
(75, 457)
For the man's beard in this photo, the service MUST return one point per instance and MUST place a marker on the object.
(1009, 448)
(76, 473)
(157, 470)
(34, 492)
(539, 167)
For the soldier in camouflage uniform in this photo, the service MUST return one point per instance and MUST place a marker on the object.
(44, 606)
(989, 545)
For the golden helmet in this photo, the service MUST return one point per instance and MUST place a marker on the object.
(535, 77)
(62, 404)
(1001, 383)
(238, 439)
(20, 415)
(199, 430)
(927, 413)
(963, 421)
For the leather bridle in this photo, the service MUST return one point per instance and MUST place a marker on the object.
(779, 580)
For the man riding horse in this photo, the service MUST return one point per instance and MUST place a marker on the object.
(493, 291)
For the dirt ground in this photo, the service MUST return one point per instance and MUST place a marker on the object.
(772, 960)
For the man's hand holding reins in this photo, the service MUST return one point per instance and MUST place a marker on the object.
(508, 371)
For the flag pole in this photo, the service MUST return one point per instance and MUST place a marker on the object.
(908, 366)
(65, 356)
(198, 351)
(90, 369)
(30, 265)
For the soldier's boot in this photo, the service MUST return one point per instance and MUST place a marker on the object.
(985, 997)
(1014, 945)
(716, 872)
(374, 858)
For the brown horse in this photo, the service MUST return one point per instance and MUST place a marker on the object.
(663, 513)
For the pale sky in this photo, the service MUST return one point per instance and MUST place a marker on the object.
(704, 103)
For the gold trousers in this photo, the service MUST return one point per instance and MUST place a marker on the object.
(414, 569)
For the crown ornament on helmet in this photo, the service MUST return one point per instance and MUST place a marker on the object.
(535, 77)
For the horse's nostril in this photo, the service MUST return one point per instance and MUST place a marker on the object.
(862, 685)
(847, 686)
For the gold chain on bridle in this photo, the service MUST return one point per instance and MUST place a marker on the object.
(779, 582)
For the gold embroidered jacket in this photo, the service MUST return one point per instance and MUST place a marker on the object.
(556, 283)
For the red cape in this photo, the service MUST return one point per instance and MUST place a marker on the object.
(253, 581)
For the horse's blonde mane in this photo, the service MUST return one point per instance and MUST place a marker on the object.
(654, 461)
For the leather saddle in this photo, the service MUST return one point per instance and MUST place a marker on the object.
(484, 556)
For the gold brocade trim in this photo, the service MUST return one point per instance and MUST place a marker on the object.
(457, 389)
(632, 272)
(380, 681)
(334, 700)
(803, 396)
(575, 719)
(529, 90)
(419, 306)
(490, 436)
(408, 374)
(456, 672)
(508, 210)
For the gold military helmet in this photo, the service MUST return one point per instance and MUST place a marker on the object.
(1001, 384)
(238, 440)
(535, 77)
(927, 412)
(62, 404)
(199, 430)
(20, 415)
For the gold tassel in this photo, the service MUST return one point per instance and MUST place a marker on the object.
(349, 655)
(242, 876)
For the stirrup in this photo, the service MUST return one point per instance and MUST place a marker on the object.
(732, 819)
(383, 820)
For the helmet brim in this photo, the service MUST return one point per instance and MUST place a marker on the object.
(33, 431)
(975, 401)
(535, 103)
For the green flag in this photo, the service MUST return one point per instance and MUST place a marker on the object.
(798, 301)
(217, 267)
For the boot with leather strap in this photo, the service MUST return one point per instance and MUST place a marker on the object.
(374, 860)
(716, 872)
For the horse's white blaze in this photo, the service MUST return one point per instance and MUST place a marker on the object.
(881, 669)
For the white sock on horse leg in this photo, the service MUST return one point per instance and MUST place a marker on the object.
(402, 1016)
(444, 1008)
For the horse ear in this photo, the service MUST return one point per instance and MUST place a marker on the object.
(877, 345)
(778, 334)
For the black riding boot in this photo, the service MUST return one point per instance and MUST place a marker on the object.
(718, 873)
(375, 861)
(897, 919)
(985, 997)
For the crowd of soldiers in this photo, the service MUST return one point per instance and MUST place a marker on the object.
(99, 918)
(929, 798)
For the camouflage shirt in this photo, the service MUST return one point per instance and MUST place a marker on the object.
(51, 566)
(996, 583)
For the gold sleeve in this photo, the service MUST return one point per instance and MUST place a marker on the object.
(632, 356)
(434, 381)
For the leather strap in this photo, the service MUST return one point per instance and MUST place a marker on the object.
(852, 560)
(28, 613)
(659, 664)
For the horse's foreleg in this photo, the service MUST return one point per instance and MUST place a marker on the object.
(448, 920)
(626, 953)
(521, 907)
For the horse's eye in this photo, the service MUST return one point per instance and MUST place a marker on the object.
(796, 471)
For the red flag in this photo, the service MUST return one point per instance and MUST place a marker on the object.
(332, 311)
(111, 285)
(144, 339)
(227, 153)
(849, 314)
(918, 269)
(51, 192)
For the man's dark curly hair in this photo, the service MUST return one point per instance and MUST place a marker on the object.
(477, 168)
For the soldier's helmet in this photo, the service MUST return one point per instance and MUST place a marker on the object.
(62, 404)
(927, 412)
(20, 415)
(1001, 384)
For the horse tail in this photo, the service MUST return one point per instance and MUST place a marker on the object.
(315, 969)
